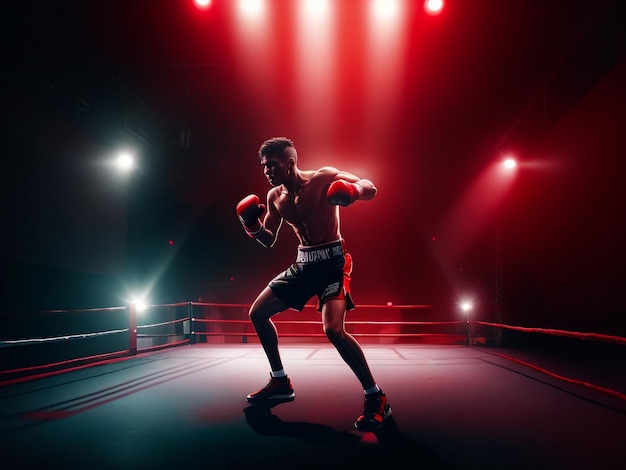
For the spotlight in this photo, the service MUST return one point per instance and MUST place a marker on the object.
(509, 163)
(125, 162)
(385, 8)
(140, 304)
(202, 3)
(316, 7)
(251, 7)
(433, 7)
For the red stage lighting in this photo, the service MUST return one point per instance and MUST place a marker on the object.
(385, 8)
(433, 7)
(251, 7)
(509, 163)
(316, 7)
(314, 82)
(203, 3)
(473, 213)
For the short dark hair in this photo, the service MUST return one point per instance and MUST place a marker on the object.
(274, 146)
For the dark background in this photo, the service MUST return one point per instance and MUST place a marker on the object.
(426, 120)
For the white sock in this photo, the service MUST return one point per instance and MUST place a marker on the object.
(374, 389)
(278, 373)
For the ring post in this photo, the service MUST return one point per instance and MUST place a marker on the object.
(132, 329)
(192, 336)
(467, 308)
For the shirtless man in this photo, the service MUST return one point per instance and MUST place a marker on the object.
(309, 202)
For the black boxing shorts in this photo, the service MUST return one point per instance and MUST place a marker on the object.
(321, 270)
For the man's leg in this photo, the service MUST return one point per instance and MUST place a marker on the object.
(263, 308)
(376, 407)
(333, 318)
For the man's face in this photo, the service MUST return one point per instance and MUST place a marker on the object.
(276, 169)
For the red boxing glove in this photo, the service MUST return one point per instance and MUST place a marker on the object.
(249, 209)
(342, 193)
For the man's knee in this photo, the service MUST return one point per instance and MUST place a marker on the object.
(334, 332)
(265, 306)
(257, 313)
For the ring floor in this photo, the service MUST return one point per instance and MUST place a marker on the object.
(453, 407)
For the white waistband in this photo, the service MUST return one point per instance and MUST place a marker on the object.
(317, 253)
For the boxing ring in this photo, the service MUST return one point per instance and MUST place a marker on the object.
(119, 388)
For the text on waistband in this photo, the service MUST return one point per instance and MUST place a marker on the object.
(321, 254)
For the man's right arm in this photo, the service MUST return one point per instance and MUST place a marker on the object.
(250, 210)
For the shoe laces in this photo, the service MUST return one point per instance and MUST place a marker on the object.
(275, 382)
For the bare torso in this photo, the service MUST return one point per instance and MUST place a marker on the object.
(307, 210)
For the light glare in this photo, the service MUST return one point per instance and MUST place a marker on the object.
(316, 7)
(125, 162)
(433, 6)
(315, 74)
(140, 304)
(251, 7)
(509, 163)
(385, 8)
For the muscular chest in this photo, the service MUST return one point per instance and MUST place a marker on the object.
(298, 208)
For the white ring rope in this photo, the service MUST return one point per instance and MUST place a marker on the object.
(179, 320)
(60, 338)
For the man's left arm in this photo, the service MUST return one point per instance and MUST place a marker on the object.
(348, 188)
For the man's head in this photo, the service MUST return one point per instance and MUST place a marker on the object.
(278, 147)
(278, 158)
